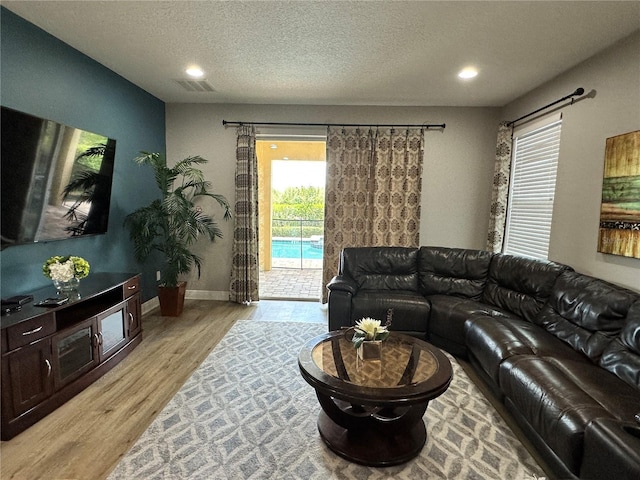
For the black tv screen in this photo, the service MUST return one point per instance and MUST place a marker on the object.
(56, 180)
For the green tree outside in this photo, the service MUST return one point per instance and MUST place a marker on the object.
(295, 204)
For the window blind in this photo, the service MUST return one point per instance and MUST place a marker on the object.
(532, 191)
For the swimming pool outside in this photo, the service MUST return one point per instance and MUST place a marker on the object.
(294, 253)
(294, 248)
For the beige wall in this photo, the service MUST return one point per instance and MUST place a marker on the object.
(615, 76)
(458, 166)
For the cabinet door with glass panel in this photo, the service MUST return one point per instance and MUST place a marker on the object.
(82, 347)
(113, 330)
(75, 352)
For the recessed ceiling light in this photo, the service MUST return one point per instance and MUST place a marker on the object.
(273, 146)
(195, 72)
(468, 73)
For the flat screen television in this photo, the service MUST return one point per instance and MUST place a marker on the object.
(55, 179)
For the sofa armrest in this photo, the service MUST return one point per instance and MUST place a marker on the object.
(342, 283)
(339, 309)
(341, 289)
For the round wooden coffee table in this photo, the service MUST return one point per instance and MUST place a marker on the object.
(372, 409)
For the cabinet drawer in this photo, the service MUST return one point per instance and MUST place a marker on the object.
(30, 330)
(131, 287)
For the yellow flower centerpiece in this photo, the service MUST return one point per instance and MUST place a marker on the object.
(65, 272)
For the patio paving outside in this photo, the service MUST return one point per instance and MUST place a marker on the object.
(286, 280)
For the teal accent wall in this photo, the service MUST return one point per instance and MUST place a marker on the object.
(43, 76)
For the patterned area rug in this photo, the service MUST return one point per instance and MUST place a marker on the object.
(246, 413)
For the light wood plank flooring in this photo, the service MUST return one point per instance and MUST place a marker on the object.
(85, 438)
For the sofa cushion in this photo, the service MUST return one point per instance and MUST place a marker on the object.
(381, 268)
(491, 340)
(559, 397)
(622, 355)
(585, 312)
(453, 271)
(520, 285)
(410, 309)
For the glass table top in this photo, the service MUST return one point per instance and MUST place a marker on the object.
(403, 362)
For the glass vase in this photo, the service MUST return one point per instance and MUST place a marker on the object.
(370, 350)
(66, 287)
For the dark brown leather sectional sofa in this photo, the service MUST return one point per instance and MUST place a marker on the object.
(560, 349)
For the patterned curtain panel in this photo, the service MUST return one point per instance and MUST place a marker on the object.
(397, 187)
(373, 187)
(500, 193)
(244, 270)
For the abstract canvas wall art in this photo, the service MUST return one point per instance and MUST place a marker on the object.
(619, 232)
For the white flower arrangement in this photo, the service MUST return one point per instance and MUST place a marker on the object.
(63, 269)
(369, 329)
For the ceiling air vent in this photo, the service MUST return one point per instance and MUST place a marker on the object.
(195, 85)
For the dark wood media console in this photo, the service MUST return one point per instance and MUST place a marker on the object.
(51, 354)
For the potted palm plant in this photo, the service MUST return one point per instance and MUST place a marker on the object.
(173, 223)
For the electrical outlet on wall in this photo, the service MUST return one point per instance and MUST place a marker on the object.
(158, 275)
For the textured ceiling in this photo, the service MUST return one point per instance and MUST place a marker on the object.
(337, 52)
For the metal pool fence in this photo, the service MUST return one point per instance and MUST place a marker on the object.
(297, 243)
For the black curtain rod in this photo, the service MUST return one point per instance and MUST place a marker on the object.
(578, 92)
(424, 125)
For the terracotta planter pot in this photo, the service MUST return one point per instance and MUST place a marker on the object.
(172, 300)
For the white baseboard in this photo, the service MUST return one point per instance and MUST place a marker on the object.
(150, 305)
(206, 295)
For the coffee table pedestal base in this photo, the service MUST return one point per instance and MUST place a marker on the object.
(372, 446)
